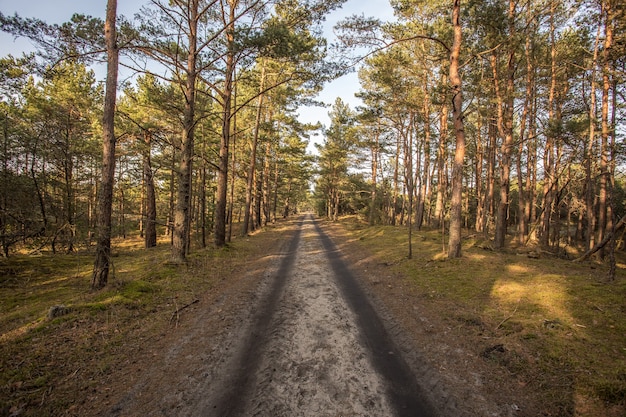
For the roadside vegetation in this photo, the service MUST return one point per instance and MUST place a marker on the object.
(52, 365)
(554, 325)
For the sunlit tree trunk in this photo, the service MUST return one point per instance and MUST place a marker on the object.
(182, 211)
(245, 227)
(424, 191)
(479, 226)
(227, 95)
(589, 150)
(266, 182)
(231, 198)
(442, 155)
(105, 199)
(149, 229)
(603, 192)
(548, 160)
(454, 242)
(505, 127)
(374, 149)
(396, 184)
(408, 178)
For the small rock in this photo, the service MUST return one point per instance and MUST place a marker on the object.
(57, 311)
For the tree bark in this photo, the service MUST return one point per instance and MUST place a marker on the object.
(505, 127)
(105, 199)
(231, 198)
(600, 245)
(548, 159)
(603, 192)
(454, 242)
(442, 175)
(149, 228)
(182, 211)
(245, 227)
(227, 94)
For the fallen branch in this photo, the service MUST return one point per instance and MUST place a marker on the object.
(604, 241)
(509, 317)
(178, 310)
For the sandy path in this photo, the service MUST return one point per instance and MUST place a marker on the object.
(307, 342)
(314, 363)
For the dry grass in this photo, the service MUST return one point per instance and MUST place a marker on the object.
(554, 325)
(51, 365)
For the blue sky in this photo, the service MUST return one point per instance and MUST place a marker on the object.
(58, 11)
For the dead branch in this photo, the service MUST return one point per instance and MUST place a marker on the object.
(604, 241)
(178, 310)
(508, 317)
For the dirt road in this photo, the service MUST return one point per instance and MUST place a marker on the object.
(310, 344)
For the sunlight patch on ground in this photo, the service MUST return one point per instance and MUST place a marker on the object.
(546, 292)
(54, 281)
(517, 269)
(20, 331)
(476, 257)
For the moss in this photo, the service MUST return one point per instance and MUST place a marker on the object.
(136, 290)
(557, 320)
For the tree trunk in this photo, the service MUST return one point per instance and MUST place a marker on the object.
(454, 242)
(408, 179)
(105, 199)
(424, 191)
(231, 198)
(442, 175)
(548, 159)
(245, 227)
(603, 192)
(589, 157)
(182, 212)
(490, 186)
(266, 182)
(172, 197)
(394, 201)
(505, 128)
(522, 225)
(202, 208)
(150, 232)
(374, 169)
(227, 95)
(68, 173)
(479, 226)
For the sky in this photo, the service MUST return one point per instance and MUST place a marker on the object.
(59, 11)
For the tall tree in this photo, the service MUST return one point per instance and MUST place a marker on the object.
(454, 242)
(286, 35)
(333, 159)
(505, 109)
(105, 199)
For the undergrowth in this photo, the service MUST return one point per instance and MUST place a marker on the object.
(553, 324)
(51, 363)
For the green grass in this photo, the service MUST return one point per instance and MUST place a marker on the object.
(49, 365)
(563, 326)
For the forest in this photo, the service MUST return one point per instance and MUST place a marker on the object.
(508, 122)
(151, 167)
(502, 118)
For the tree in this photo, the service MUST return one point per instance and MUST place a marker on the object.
(285, 36)
(333, 160)
(454, 242)
(105, 199)
(144, 110)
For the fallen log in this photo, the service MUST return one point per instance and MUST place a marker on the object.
(604, 241)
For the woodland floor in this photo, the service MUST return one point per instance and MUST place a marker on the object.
(273, 331)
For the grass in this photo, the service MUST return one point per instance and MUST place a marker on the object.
(51, 364)
(551, 323)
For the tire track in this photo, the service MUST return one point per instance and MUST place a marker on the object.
(318, 348)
